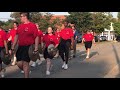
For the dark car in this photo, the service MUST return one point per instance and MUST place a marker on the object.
(118, 38)
(79, 39)
(103, 38)
(96, 38)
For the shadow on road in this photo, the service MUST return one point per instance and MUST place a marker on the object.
(93, 54)
(117, 59)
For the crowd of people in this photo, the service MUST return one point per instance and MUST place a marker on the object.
(19, 40)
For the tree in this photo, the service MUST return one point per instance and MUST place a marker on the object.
(43, 19)
(16, 16)
(117, 28)
(118, 16)
(101, 21)
(82, 20)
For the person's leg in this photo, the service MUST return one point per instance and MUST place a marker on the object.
(26, 69)
(48, 65)
(67, 50)
(39, 61)
(2, 71)
(20, 64)
(74, 48)
(14, 60)
(88, 52)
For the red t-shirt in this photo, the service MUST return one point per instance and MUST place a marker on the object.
(27, 34)
(50, 39)
(3, 37)
(57, 34)
(88, 37)
(13, 33)
(40, 33)
(66, 33)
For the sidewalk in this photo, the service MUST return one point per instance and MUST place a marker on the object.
(102, 64)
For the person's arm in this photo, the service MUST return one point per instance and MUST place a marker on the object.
(56, 42)
(15, 42)
(6, 47)
(10, 38)
(93, 40)
(83, 40)
(72, 41)
(36, 43)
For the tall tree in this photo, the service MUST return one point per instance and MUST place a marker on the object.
(101, 20)
(83, 20)
(43, 19)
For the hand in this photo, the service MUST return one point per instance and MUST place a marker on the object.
(35, 51)
(71, 47)
(6, 54)
(11, 51)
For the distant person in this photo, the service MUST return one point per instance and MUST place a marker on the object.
(57, 34)
(11, 37)
(87, 39)
(75, 32)
(40, 33)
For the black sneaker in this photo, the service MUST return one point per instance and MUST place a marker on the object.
(73, 56)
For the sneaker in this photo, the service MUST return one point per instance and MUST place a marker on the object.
(33, 64)
(66, 66)
(39, 62)
(3, 73)
(47, 72)
(63, 65)
(87, 57)
(13, 63)
(73, 56)
(23, 71)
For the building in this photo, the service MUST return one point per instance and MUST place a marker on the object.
(109, 33)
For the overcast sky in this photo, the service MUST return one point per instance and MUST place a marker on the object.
(6, 15)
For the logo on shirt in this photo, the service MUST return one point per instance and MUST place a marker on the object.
(26, 29)
(51, 39)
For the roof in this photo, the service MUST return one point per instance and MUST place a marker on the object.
(61, 17)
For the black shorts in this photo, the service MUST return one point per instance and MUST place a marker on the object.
(22, 53)
(0, 54)
(47, 55)
(88, 44)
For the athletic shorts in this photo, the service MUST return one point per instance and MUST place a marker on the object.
(46, 54)
(88, 44)
(22, 53)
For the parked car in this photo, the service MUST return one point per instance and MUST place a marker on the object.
(96, 38)
(103, 38)
(79, 39)
(118, 38)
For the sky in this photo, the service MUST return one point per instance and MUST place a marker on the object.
(4, 16)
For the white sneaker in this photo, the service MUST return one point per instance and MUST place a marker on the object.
(87, 56)
(33, 64)
(39, 62)
(66, 66)
(3, 73)
(63, 65)
(47, 72)
(23, 71)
